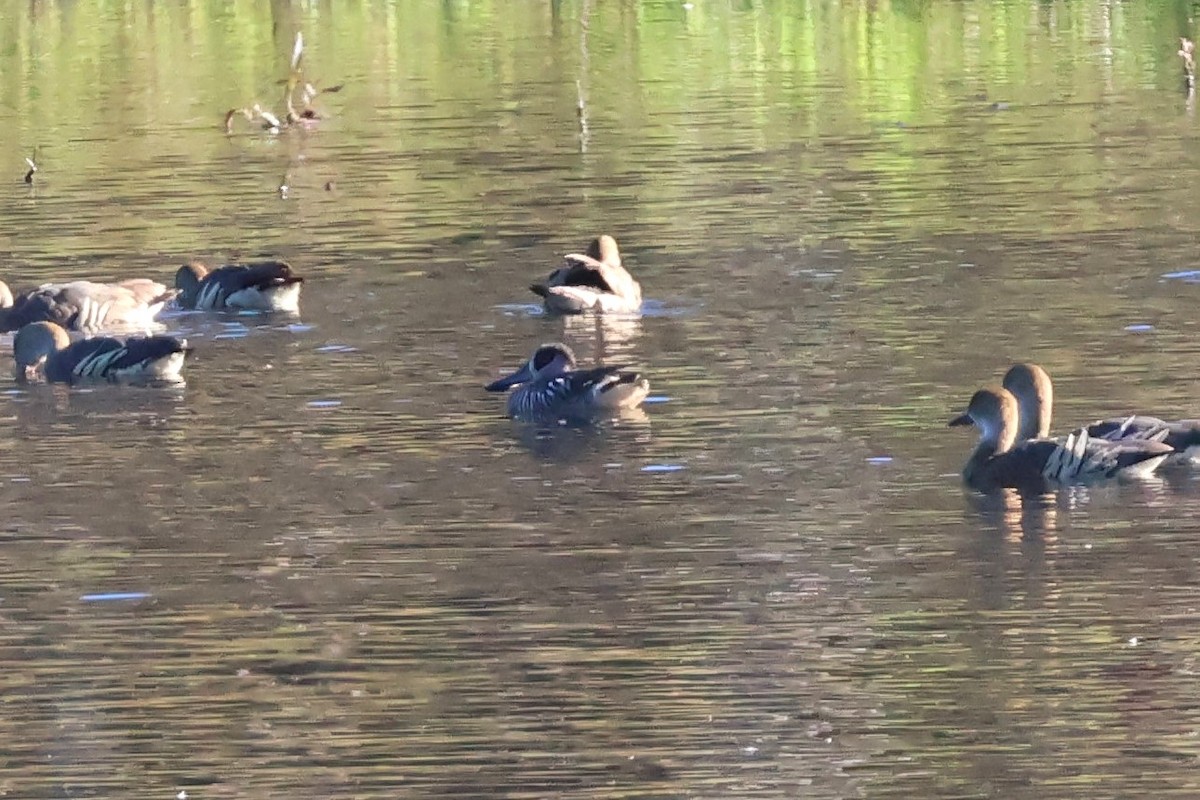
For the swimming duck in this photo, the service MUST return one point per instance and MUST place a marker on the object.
(592, 282)
(45, 348)
(1032, 387)
(85, 306)
(998, 460)
(551, 387)
(265, 286)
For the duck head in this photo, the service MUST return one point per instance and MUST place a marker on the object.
(33, 344)
(604, 249)
(993, 411)
(548, 361)
(1034, 392)
(187, 280)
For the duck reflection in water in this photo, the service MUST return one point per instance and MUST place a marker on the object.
(1040, 514)
(566, 441)
(1019, 515)
(604, 337)
(39, 406)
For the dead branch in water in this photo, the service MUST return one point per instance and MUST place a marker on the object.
(1187, 51)
(292, 84)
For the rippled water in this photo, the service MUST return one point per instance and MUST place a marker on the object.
(329, 567)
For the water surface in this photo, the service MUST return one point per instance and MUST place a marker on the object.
(329, 567)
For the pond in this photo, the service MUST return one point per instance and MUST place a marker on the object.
(330, 567)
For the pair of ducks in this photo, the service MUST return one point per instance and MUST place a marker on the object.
(42, 316)
(1015, 450)
(549, 384)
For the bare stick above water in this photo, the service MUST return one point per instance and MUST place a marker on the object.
(1187, 51)
(581, 110)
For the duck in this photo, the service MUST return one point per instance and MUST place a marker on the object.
(1031, 385)
(262, 286)
(594, 281)
(45, 349)
(85, 305)
(999, 460)
(550, 387)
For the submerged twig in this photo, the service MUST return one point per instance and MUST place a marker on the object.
(1187, 51)
(585, 60)
(582, 115)
(297, 51)
(266, 117)
(233, 112)
(311, 92)
(293, 83)
(308, 93)
(269, 120)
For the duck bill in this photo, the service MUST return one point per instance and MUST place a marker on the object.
(960, 420)
(523, 375)
(27, 373)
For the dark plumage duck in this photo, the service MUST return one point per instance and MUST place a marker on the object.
(551, 388)
(1000, 461)
(1032, 387)
(592, 282)
(265, 286)
(86, 306)
(44, 349)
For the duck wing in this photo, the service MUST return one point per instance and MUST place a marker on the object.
(1079, 458)
(100, 305)
(607, 387)
(225, 282)
(107, 358)
(1180, 434)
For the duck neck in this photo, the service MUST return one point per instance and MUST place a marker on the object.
(994, 440)
(1034, 411)
(984, 452)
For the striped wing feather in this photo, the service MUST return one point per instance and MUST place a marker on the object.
(221, 284)
(107, 358)
(1179, 434)
(1080, 457)
(1077, 458)
(590, 381)
(82, 305)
